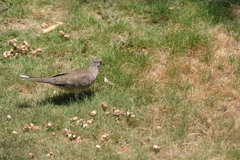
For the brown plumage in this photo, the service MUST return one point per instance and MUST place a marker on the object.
(73, 81)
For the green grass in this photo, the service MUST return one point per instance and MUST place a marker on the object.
(161, 56)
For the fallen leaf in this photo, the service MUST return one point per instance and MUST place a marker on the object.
(17, 55)
(67, 131)
(85, 125)
(93, 113)
(104, 137)
(130, 114)
(13, 41)
(79, 139)
(9, 117)
(51, 28)
(15, 132)
(156, 148)
(80, 121)
(49, 154)
(36, 51)
(53, 134)
(31, 155)
(67, 36)
(62, 32)
(104, 105)
(44, 25)
(98, 146)
(90, 121)
(74, 118)
(50, 124)
(117, 112)
(123, 147)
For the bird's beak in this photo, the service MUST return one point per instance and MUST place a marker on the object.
(102, 64)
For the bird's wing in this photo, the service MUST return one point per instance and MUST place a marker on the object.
(72, 79)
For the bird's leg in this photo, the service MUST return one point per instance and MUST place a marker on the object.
(76, 96)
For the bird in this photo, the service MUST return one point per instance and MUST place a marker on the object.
(73, 81)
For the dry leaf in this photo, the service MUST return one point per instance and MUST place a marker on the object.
(26, 44)
(31, 155)
(104, 105)
(90, 121)
(67, 36)
(74, 118)
(79, 139)
(123, 147)
(98, 146)
(85, 125)
(50, 124)
(156, 148)
(13, 41)
(51, 28)
(93, 113)
(104, 137)
(15, 132)
(30, 127)
(67, 131)
(17, 55)
(44, 25)
(117, 112)
(36, 51)
(9, 117)
(130, 114)
(62, 32)
(80, 121)
(53, 134)
(49, 154)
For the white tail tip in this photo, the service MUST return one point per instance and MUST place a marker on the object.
(24, 77)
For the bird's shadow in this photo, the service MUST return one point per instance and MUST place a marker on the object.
(67, 98)
(59, 100)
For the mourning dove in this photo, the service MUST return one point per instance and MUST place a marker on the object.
(73, 81)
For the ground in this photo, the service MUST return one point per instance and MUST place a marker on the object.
(173, 69)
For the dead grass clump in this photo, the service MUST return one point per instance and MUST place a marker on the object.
(224, 44)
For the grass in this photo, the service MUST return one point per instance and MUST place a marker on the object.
(174, 64)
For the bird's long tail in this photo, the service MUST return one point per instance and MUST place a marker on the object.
(33, 79)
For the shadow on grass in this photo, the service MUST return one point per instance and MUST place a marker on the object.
(62, 99)
(68, 98)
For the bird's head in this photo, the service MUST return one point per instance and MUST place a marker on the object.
(97, 62)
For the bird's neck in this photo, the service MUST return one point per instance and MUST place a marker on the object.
(93, 69)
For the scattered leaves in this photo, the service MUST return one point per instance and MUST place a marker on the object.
(117, 112)
(36, 51)
(30, 127)
(64, 34)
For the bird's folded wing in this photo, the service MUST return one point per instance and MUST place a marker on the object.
(71, 81)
